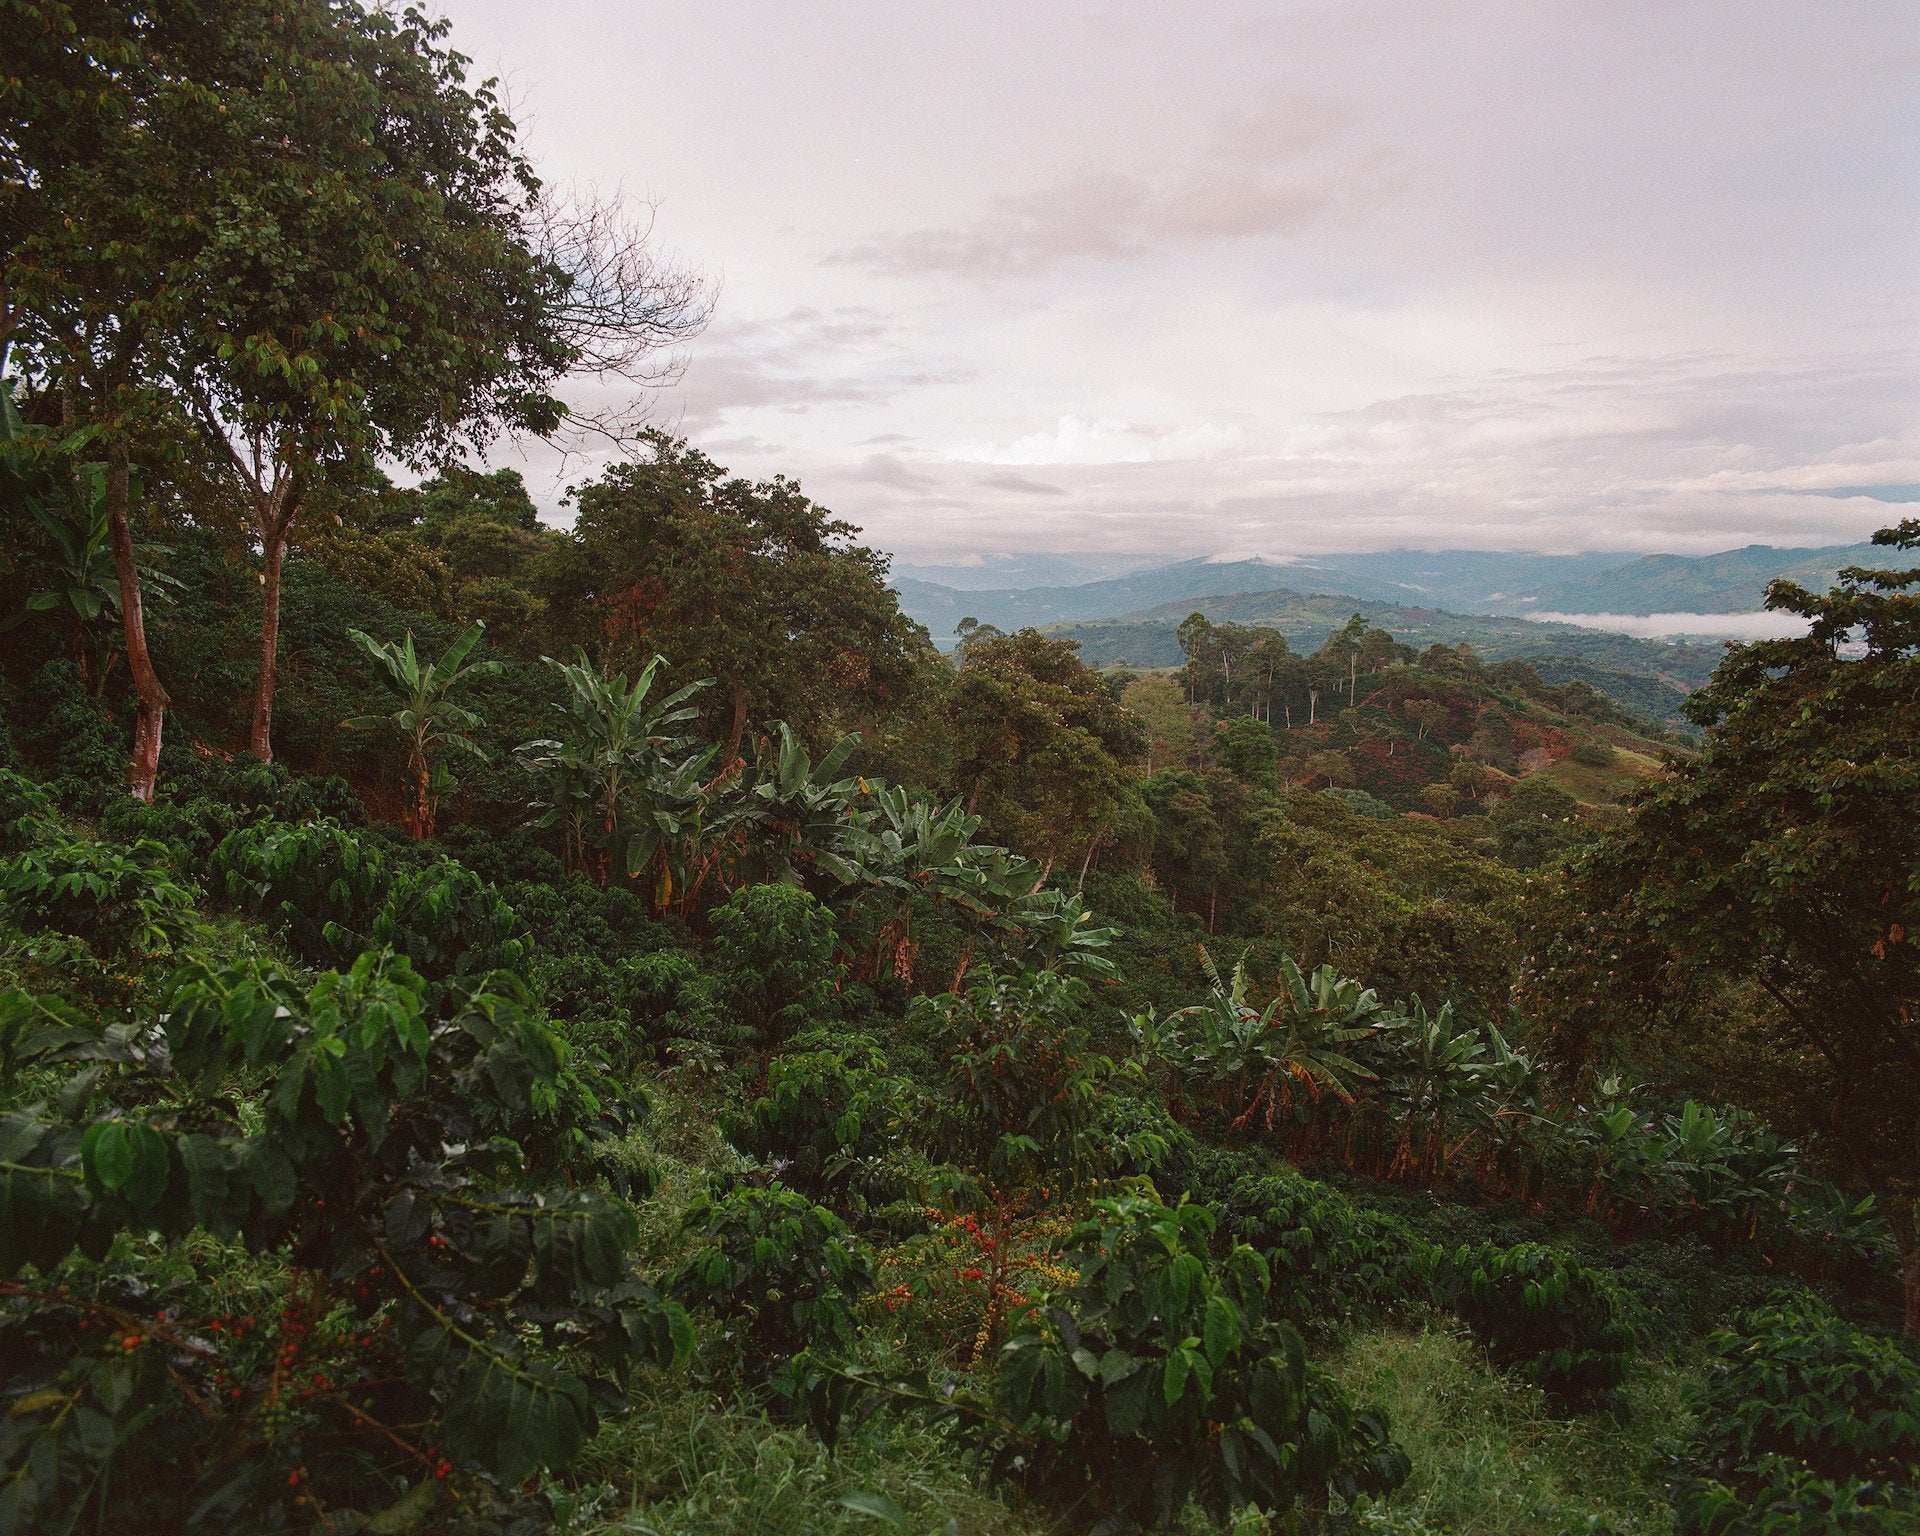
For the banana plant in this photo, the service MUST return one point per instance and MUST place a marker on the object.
(1281, 1060)
(428, 719)
(793, 820)
(624, 783)
(1438, 1071)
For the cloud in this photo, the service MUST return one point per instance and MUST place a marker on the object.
(1021, 484)
(1109, 440)
(1239, 190)
(796, 362)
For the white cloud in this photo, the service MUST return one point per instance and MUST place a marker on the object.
(1108, 440)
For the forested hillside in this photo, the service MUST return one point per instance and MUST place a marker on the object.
(509, 1029)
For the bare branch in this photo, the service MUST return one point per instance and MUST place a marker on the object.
(629, 307)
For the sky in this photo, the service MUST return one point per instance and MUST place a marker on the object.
(1275, 278)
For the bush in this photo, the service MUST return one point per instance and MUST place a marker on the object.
(73, 740)
(26, 812)
(823, 1123)
(316, 881)
(773, 947)
(449, 922)
(1157, 1378)
(1593, 752)
(416, 1178)
(784, 1269)
(1541, 1312)
(1334, 1263)
(121, 901)
(1804, 1424)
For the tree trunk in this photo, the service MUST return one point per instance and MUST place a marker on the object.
(144, 766)
(273, 550)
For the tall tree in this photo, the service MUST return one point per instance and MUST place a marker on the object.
(107, 138)
(300, 216)
(1783, 856)
(751, 584)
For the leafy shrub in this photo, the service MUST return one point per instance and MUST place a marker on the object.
(1157, 1378)
(315, 880)
(1540, 1311)
(73, 739)
(1333, 1263)
(121, 901)
(1805, 1424)
(1594, 752)
(666, 996)
(428, 1259)
(822, 1124)
(449, 922)
(784, 1270)
(26, 811)
(773, 946)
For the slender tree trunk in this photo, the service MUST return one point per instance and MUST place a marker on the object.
(273, 552)
(143, 768)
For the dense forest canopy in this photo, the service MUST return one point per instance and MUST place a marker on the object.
(508, 1028)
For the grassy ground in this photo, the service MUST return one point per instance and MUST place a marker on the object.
(1490, 1461)
(1592, 785)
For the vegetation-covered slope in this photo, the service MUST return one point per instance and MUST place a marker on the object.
(661, 1048)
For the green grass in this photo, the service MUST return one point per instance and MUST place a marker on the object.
(687, 1464)
(1592, 785)
(1489, 1460)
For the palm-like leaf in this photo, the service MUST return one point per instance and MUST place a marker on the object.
(427, 719)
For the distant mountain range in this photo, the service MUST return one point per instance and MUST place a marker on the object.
(1457, 581)
(1734, 581)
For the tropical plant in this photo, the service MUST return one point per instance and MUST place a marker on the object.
(624, 784)
(1157, 1377)
(1436, 1073)
(410, 1169)
(1275, 1062)
(427, 720)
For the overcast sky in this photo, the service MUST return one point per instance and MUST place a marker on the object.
(1284, 277)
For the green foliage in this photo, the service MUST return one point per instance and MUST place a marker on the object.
(773, 947)
(316, 881)
(783, 1271)
(1157, 1377)
(1334, 1264)
(1563, 1325)
(26, 812)
(1271, 1063)
(124, 902)
(1805, 1425)
(427, 719)
(1023, 1086)
(408, 1164)
(624, 783)
(449, 923)
(826, 1122)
